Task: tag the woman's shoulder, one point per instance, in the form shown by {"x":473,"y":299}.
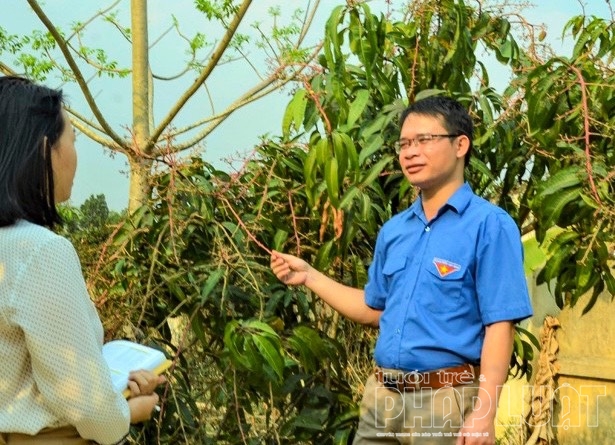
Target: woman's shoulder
{"x":28,"y":237}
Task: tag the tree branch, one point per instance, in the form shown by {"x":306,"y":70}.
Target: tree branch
{"x":207,"y":70}
{"x":91,"y":130}
{"x":96,"y":137}
{"x":587,"y":131}
{"x":78,"y":75}
{"x":192,"y":54}
{"x":5,"y":69}
{"x":307,"y":23}
{"x":262,"y":89}
{"x":91,"y":19}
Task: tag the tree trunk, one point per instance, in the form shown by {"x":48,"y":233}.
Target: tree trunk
{"x":142,"y":148}
{"x":140,"y":187}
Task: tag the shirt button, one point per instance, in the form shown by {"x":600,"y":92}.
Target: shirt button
{"x":427,"y":229}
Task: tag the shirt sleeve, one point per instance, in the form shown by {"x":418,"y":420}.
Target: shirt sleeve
{"x":375,"y":289}
{"x":501,"y":285}
{"x":62,"y":332}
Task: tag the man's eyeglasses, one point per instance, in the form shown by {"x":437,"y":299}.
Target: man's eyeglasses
{"x":421,"y":140}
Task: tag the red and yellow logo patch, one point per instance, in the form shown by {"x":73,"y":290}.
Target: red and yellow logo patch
{"x":444,"y":267}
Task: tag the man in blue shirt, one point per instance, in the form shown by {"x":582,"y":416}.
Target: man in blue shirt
{"x":445,"y":287}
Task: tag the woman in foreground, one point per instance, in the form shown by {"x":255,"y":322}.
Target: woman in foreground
{"x":55,"y":386}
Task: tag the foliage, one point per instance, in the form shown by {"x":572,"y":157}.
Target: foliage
{"x":569,"y":129}
{"x":89,"y":226}
{"x":349,"y":113}
{"x":258,"y":362}
{"x":254,"y":367}
{"x":226,"y":35}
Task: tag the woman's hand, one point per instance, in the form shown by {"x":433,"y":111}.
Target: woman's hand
{"x":143,"y":399}
{"x":142,"y":407}
{"x":143,"y":383}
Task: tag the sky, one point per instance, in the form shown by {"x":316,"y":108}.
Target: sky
{"x":100,"y":172}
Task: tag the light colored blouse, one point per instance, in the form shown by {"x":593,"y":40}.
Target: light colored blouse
{"x":52,"y":372}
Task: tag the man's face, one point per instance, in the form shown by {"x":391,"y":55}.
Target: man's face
{"x":430,"y":164}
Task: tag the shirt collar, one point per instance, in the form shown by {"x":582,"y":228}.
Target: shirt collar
{"x":461,"y":198}
{"x":458,"y":202}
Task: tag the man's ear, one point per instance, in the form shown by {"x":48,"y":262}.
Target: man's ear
{"x":463,"y":145}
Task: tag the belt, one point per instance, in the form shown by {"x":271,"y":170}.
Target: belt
{"x":439,"y":378}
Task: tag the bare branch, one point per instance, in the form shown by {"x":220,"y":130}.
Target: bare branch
{"x":92,"y":131}
{"x":192,"y":55}
{"x":586,"y":127}
{"x":5,"y":69}
{"x":96,"y":137}
{"x":161,"y":36}
{"x":207,"y":70}
{"x":75,"y":68}
{"x":269,"y":85}
{"x":91,"y":19}
{"x":307,"y":22}
{"x":83,"y":119}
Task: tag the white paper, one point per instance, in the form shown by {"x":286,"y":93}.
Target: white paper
{"x":124,"y":356}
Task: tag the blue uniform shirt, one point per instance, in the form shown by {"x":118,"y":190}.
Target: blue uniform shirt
{"x":440,"y":282}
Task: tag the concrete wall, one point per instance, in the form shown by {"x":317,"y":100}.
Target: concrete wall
{"x":585,"y":385}
{"x":586,"y":414}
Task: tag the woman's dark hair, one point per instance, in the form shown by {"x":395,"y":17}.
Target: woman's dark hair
{"x":31,"y":122}
{"x":455,"y":117}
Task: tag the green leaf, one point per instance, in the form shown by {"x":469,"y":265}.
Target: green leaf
{"x":376,"y":126}
{"x":332,"y":181}
{"x":541,"y":107}
{"x":555,"y":203}
{"x":454,"y":42}
{"x":323,"y":257}
{"x":339,"y":148}
{"x":594,"y":298}
{"x":198,"y":324}
{"x":331,"y":37}
{"x":590,"y":201}
{"x":568,"y":177}
{"x":295,"y":112}
{"x":346,"y":202}
{"x":309,"y":168}
{"x":307,"y":360}
{"x":519,"y":330}
{"x":357,"y":106}
{"x":211,"y":282}
{"x":236,"y":346}
{"x":518,"y":346}
{"x":342,"y":436}
{"x":323,"y":151}
{"x":311,"y":339}
{"x":312,"y":418}
{"x":553,"y":266}
{"x":374,"y":144}
{"x":609,"y":279}
{"x":270,"y":352}
{"x":563,"y":238}
{"x":376,"y":170}
{"x":366,"y":206}
{"x":351,"y":153}
{"x":262,"y":327}
{"x":279,"y":239}
{"x":585,"y":271}
{"x":423,"y":94}
{"x":485,"y":107}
